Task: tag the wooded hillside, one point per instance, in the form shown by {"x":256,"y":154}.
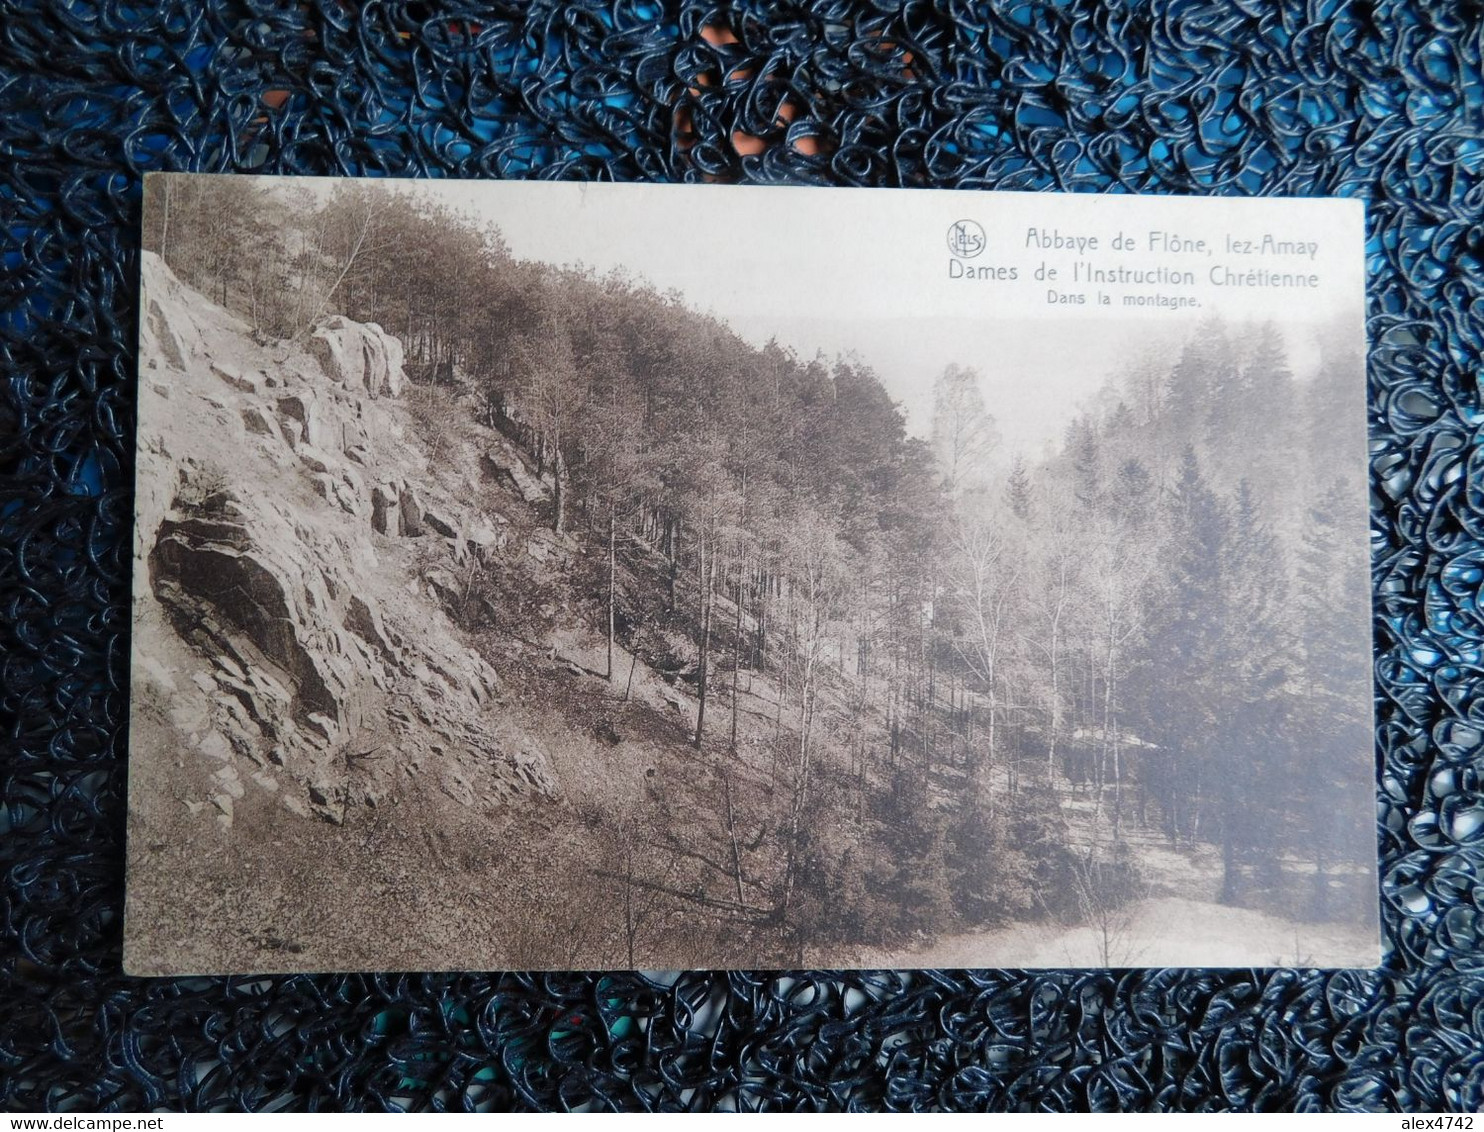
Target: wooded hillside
{"x":997,"y":686}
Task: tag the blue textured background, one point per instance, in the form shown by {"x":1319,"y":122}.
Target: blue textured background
{"x":1383,"y":101}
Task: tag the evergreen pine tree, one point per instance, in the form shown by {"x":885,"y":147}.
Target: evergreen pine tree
{"x":1204,"y":362}
{"x":1254,"y":746}
{"x":1333,"y":599}
{"x":1268,"y":378}
{"x":1133,"y":494}
{"x":1186,"y":620}
{"x":1087,"y":472}
{"x":1018,"y":490}
{"x":1120,"y":421}
{"x":1258,"y":414}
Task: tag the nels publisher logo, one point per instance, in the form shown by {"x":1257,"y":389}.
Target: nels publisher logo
{"x":965,"y":239}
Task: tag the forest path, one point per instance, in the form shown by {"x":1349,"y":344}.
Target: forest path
{"x":1160,"y":932}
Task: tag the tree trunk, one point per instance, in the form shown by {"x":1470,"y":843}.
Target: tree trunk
{"x":344,"y":271}
{"x":1231,"y":873}
{"x":612,"y":536}
{"x":672,"y":536}
{"x":706,"y":604}
{"x":631,"y":929}
{"x":737,"y":652}
{"x":801,"y":779}
{"x":633,"y":660}
{"x":782,"y":695}
{"x":559,"y":474}
{"x":726,"y":783}
{"x":1054,"y":716}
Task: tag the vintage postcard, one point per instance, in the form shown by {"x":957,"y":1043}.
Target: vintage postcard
{"x":556,"y":576}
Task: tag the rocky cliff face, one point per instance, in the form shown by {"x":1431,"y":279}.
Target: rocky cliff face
{"x":296,"y":547}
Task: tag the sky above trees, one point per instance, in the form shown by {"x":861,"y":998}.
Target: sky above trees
{"x":848,"y":273}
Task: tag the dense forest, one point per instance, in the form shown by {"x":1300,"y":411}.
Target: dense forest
{"x":998,"y":684}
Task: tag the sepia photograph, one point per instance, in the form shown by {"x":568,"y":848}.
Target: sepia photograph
{"x":592,"y":576}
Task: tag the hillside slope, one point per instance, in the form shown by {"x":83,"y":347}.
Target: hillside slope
{"x":378,"y":722}
{"x":294,"y":546}
{"x":371,"y":724}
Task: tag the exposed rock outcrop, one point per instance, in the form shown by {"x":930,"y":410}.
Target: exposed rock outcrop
{"x":362,"y":357}
{"x":286,"y":641}
{"x":509,"y":464}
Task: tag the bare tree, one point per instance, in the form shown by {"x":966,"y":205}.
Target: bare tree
{"x":818,"y":574}
{"x":986,"y":577}
{"x":1052,"y":592}
{"x":363,"y":212}
{"x":964,"y":434}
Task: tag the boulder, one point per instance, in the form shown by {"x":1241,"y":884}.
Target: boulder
{"x":482,"y":541}
{"x":332,"y":491}
{"x":445,"y":588}
{"x":365,"y":622}
{"x":396,"y":376}
{"x":324,"y":486}
{"x":238,"y":379}
{"x":352,"y":480}
{"x":317,"y":461}
{"x":359,"y":356}
{"x":327,"y":798}
{"x":373,"y":353}
{"x":229,"y":781}
{"x":301,"y":419}
{"x":509,"y":465}
{"x":412,"y":513}
{"x":386,"y":509}
{"x":440,"y":523}
{"x":259,"y":423}
{"x":323,"y":725}
{"x":263,"y":596}
{"x":337,"y":345}
{"x":348,"y":500}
